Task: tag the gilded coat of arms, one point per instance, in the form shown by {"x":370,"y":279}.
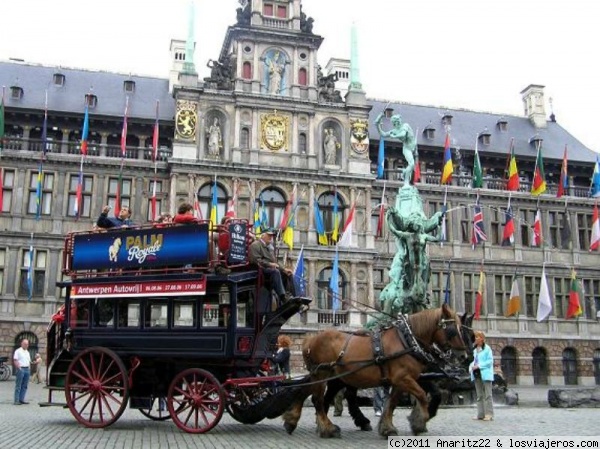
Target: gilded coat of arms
{"x":186,"y":120}
{"x":274,"y":131}
{"x":359,"y":136}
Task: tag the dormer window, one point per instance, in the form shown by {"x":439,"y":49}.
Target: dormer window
{"x":129,"y":86}
{"x":536,"y":141}
{"x":485,"y":137}
{"x":16,"y":92}
{"x":58,"y":79}
{"x":502,"y":124}
{"x":92,"y":100}
{"x":429,"y":132}
{"x":447,"y":119}
{"x":388,"y":112}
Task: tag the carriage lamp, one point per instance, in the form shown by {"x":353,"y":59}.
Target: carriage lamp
{"x":244,"y":344}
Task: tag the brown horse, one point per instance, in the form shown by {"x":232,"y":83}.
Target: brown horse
{"x":402,"y":354}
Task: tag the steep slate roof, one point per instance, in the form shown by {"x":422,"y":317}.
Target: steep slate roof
{"x":108,"y":87}
{"x":467,"y":124}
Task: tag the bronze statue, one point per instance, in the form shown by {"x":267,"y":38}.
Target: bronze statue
{"x":404,"y":133}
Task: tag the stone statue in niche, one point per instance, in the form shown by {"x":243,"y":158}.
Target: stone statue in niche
{"x":275,"y":70}
{"x":330,"y":145}
{"x":215,"y":141}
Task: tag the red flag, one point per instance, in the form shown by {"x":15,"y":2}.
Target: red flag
{"x":417,"y":174}
{"x":513,"y":175}
{"x":508,"y":237}
{"x":1,"y":189}
{"x":85,"y":131}
{"x":381,"y":215}
{"x":118,"y":193}
{"x":479,"y":296}
{"x":537,"y":229}
{"x":563,"y":182}
{"x":574,"y":309}
{"x":595,"y":238}
{"x":153,"y":200}
{"x":197,"y":209}
{"x":233,"y":200}
{"x":447,"y":168}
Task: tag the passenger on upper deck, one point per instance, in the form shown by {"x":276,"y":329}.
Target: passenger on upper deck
{"x":123,"y":220}
{"x":185,"y":214}
{"x":261,"y":255}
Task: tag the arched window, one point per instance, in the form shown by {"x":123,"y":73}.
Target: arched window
{"x":245,"y":138}
{"x":597,"y":366}
{"x":569,"y":359}
{"x":324,"y":294}
{"x":302,"y":77}
{"x":272,"y":204}
{"x":539,"y":366}
{"x":508,"y":363}
{"x":326,"y":207}
{"x":205,"y":194}
{"x":302,"y":143}
{"x":247,"y":70}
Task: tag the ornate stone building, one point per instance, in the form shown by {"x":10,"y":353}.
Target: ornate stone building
{"x":267,"y":122}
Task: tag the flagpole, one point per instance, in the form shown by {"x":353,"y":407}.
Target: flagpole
{"x":444,"y":208}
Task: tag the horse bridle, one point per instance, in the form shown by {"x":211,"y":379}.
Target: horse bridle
{"x":450,"y":332}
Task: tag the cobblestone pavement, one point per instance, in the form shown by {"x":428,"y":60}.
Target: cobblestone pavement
{"x":53,"y":427}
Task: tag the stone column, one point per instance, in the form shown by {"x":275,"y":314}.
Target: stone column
{"x":64,"y":144}
{"x":370,"y":284}
{"x":172,"y":194}
{"x":139,"y":198}
{"x":294,"y":149}
{"x":103,"y":143}
{"x":26,"y":134}
{"x":142,"y":147}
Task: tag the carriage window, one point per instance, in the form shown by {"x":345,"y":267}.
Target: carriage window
{"x":245,"y":309}
{"x":104,"y":312}
{"x":184,"y":313}
{"x":129,"y":313}
{"x":216,"y":309}
{"x":80,"y":312}
{"x":156,"y":314}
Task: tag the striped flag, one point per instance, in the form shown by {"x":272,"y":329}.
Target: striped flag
{"x":30,"y":270}
{"x":574,"y":309}
{"x":508,"y":237}
{"x":512,"y":182}
{"x":213,"y":206}
{"x":595,"y":190}
{"x":595,"y":237}
{"x":477,"y":170}
{"x":381,"y":217}
{"x":319,"y":224}
{"x":232,"y":202}
{"x":514,"y":302}
{"x":346,"y":239}
{"x":79,"y":194}
{"x":447,"y":168}
{"x":38,"y":191}
{"x":563,"y":183}
{"x":85,"y":131}
{"x":478,"y":235}
{"x":479,"y":296}
{"x":336,"y":219}
{"x":123,"y":154}
{"x":381,"y":159}
{"x":124,"y":130}
{"x":537,"y":230}
{"x":197,"y":209}
{"x":544,"y":299}
{"x":539,"y":179}
{"x":334,"y":283}
{"x":45,"y":129}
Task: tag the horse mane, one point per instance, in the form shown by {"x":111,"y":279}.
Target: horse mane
{"x":422,"y":322}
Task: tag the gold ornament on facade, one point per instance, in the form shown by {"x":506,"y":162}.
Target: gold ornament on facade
{"x":359,"y":136}
{"x":186,"y":120}
{"x":274,"y":131}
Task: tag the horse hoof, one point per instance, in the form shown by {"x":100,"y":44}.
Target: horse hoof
{"x":333,"y":432}
{"x":289,"y":428}
{"x":366,"y":427}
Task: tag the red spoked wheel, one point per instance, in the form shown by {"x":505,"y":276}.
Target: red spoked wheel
{"x":96,"y":388}
{"x":157,"y":411}
{"x":195,"y":401}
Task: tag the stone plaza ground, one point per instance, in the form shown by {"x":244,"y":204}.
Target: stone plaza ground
{"x":30,"y":426}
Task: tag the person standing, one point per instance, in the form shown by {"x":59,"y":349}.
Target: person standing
{"x":380,"y":397}
{"x":482,"y":373}
{"x":282,"y":356}
{"x":36,"y":367}
{"x":22,"y":362}
{"x":123,"y":220}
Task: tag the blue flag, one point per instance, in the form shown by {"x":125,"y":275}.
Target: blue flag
{"x":299,"y":281}
{"x":381,"y":159}
{"x":30,"y":271}
{"x":319,"y":225}
{"x":447,"y":291}
{"x":334,"y":284}
{"x":595,"y":193}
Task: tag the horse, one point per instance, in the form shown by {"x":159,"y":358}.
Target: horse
{"x":394,"y":355}
{"x":430,"y":380}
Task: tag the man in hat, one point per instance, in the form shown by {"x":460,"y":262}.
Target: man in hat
{"x":261,"y":254}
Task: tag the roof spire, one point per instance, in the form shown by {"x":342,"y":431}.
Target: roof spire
{"x":355,"y":83}
{"x":189,"y":66}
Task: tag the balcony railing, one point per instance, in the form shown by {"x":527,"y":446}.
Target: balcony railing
{"x":94,"y":149}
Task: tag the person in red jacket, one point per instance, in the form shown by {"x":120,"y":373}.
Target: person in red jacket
{"x":185,"y":214}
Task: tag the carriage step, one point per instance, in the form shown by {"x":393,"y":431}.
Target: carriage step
{"x":54,"y":388}
{"x":53,"y":404}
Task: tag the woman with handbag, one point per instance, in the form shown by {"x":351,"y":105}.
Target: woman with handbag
{"x":482,"y":373}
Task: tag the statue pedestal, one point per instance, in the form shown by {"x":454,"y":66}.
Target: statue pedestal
{"x":185,"y":151}
{"x":331,"y":167}
{"x":408,"y":200}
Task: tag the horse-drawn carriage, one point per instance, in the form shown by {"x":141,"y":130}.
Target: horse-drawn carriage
{"x":148,"y":322}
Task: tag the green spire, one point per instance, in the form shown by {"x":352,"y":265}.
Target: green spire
{"x":354,"y":70}
{"x":188,"y":66}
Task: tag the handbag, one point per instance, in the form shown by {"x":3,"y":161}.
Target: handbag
{"x":477,"y":373}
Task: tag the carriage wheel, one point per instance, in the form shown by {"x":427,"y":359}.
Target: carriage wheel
{"x":158,"y":409}
{"x":96,"y":388}
{"x":195,"y":401}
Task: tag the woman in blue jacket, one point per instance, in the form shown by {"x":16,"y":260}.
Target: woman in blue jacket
{"x":482,"y":373}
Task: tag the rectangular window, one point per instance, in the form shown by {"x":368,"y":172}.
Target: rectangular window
{"x":104,"y":312}
{"x":184,"y":313}
{"x":532,"y":292}
{"x":2,"y":265}
{"x":584,"y":229}
{"x":465,"y":223}
{"x":113,"y":187}
{"x":80,"y":312}
{"x":591,"y":293}
{"x":470,"y":286}
{"x":554,"y":230}
{"x":268,"y":9}
{"x":8,"y":183}
{"x":86,"y":196}
{"x":496,"y":228}
{"x":155,"y":315}
{"x":502,"y":287}
{"x":38,"y":273}
{"x":526,"y":219}
{"x":561,"y":296}
{"x":40,"y":193}
{"x":159,"y":201}
{"x":282,"y":11}
{"x":245,"y":308}
{"x":129,"y":311}
{"x":438,"y":289}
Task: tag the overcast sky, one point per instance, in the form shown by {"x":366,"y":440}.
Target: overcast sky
{"x":471,"y":54}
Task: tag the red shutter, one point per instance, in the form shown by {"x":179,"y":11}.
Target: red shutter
{"x":282,"y":12}
{"x":302,"y":77}
{"x":247,"y":71}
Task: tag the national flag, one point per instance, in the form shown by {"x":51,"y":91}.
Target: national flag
{"x":336,"y":220}
{"x":287,"y":236}
{"x":319,"y":224}
{"x":479,"y":296}
{"x":574,"y":309}
{"x":443,"y":225}
{"x":287,"y":212}
{"x":381,"y":159}
{"x":30,"y":270}
{"x":197,"y":208}
{"x":539,"y":179}
{"x":346,"y":239}
{"x":478,"y":235}
{"x":448,"y":168}
{"x":514,"y":302}
{"x":565,"y":231}
{"x":512,"y":182}
{"x":85,"y":131}
{"x":508,"y":237}
{"x":231,"y":203}
{"x":2,"y":121}
{"x":213,"y":206}
{"x":447,"y":289}
{"x":38,"y":191}
{"x":256,"y":219}
{"x":537,"y":230}
{"x":595,"y":191}
{"x":119,"y":191}
{"x":477,"y":170}
{"x":381,"y":217}
{"x":563,"y":182}
{"x":153,"y":200}
{"x":595,"y":237}
{"x":299,"y":281}
{"x":544,"y":300}
{"x":78,"y":195}
{"x":417,"y":174}
{"x":334,"y":283}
